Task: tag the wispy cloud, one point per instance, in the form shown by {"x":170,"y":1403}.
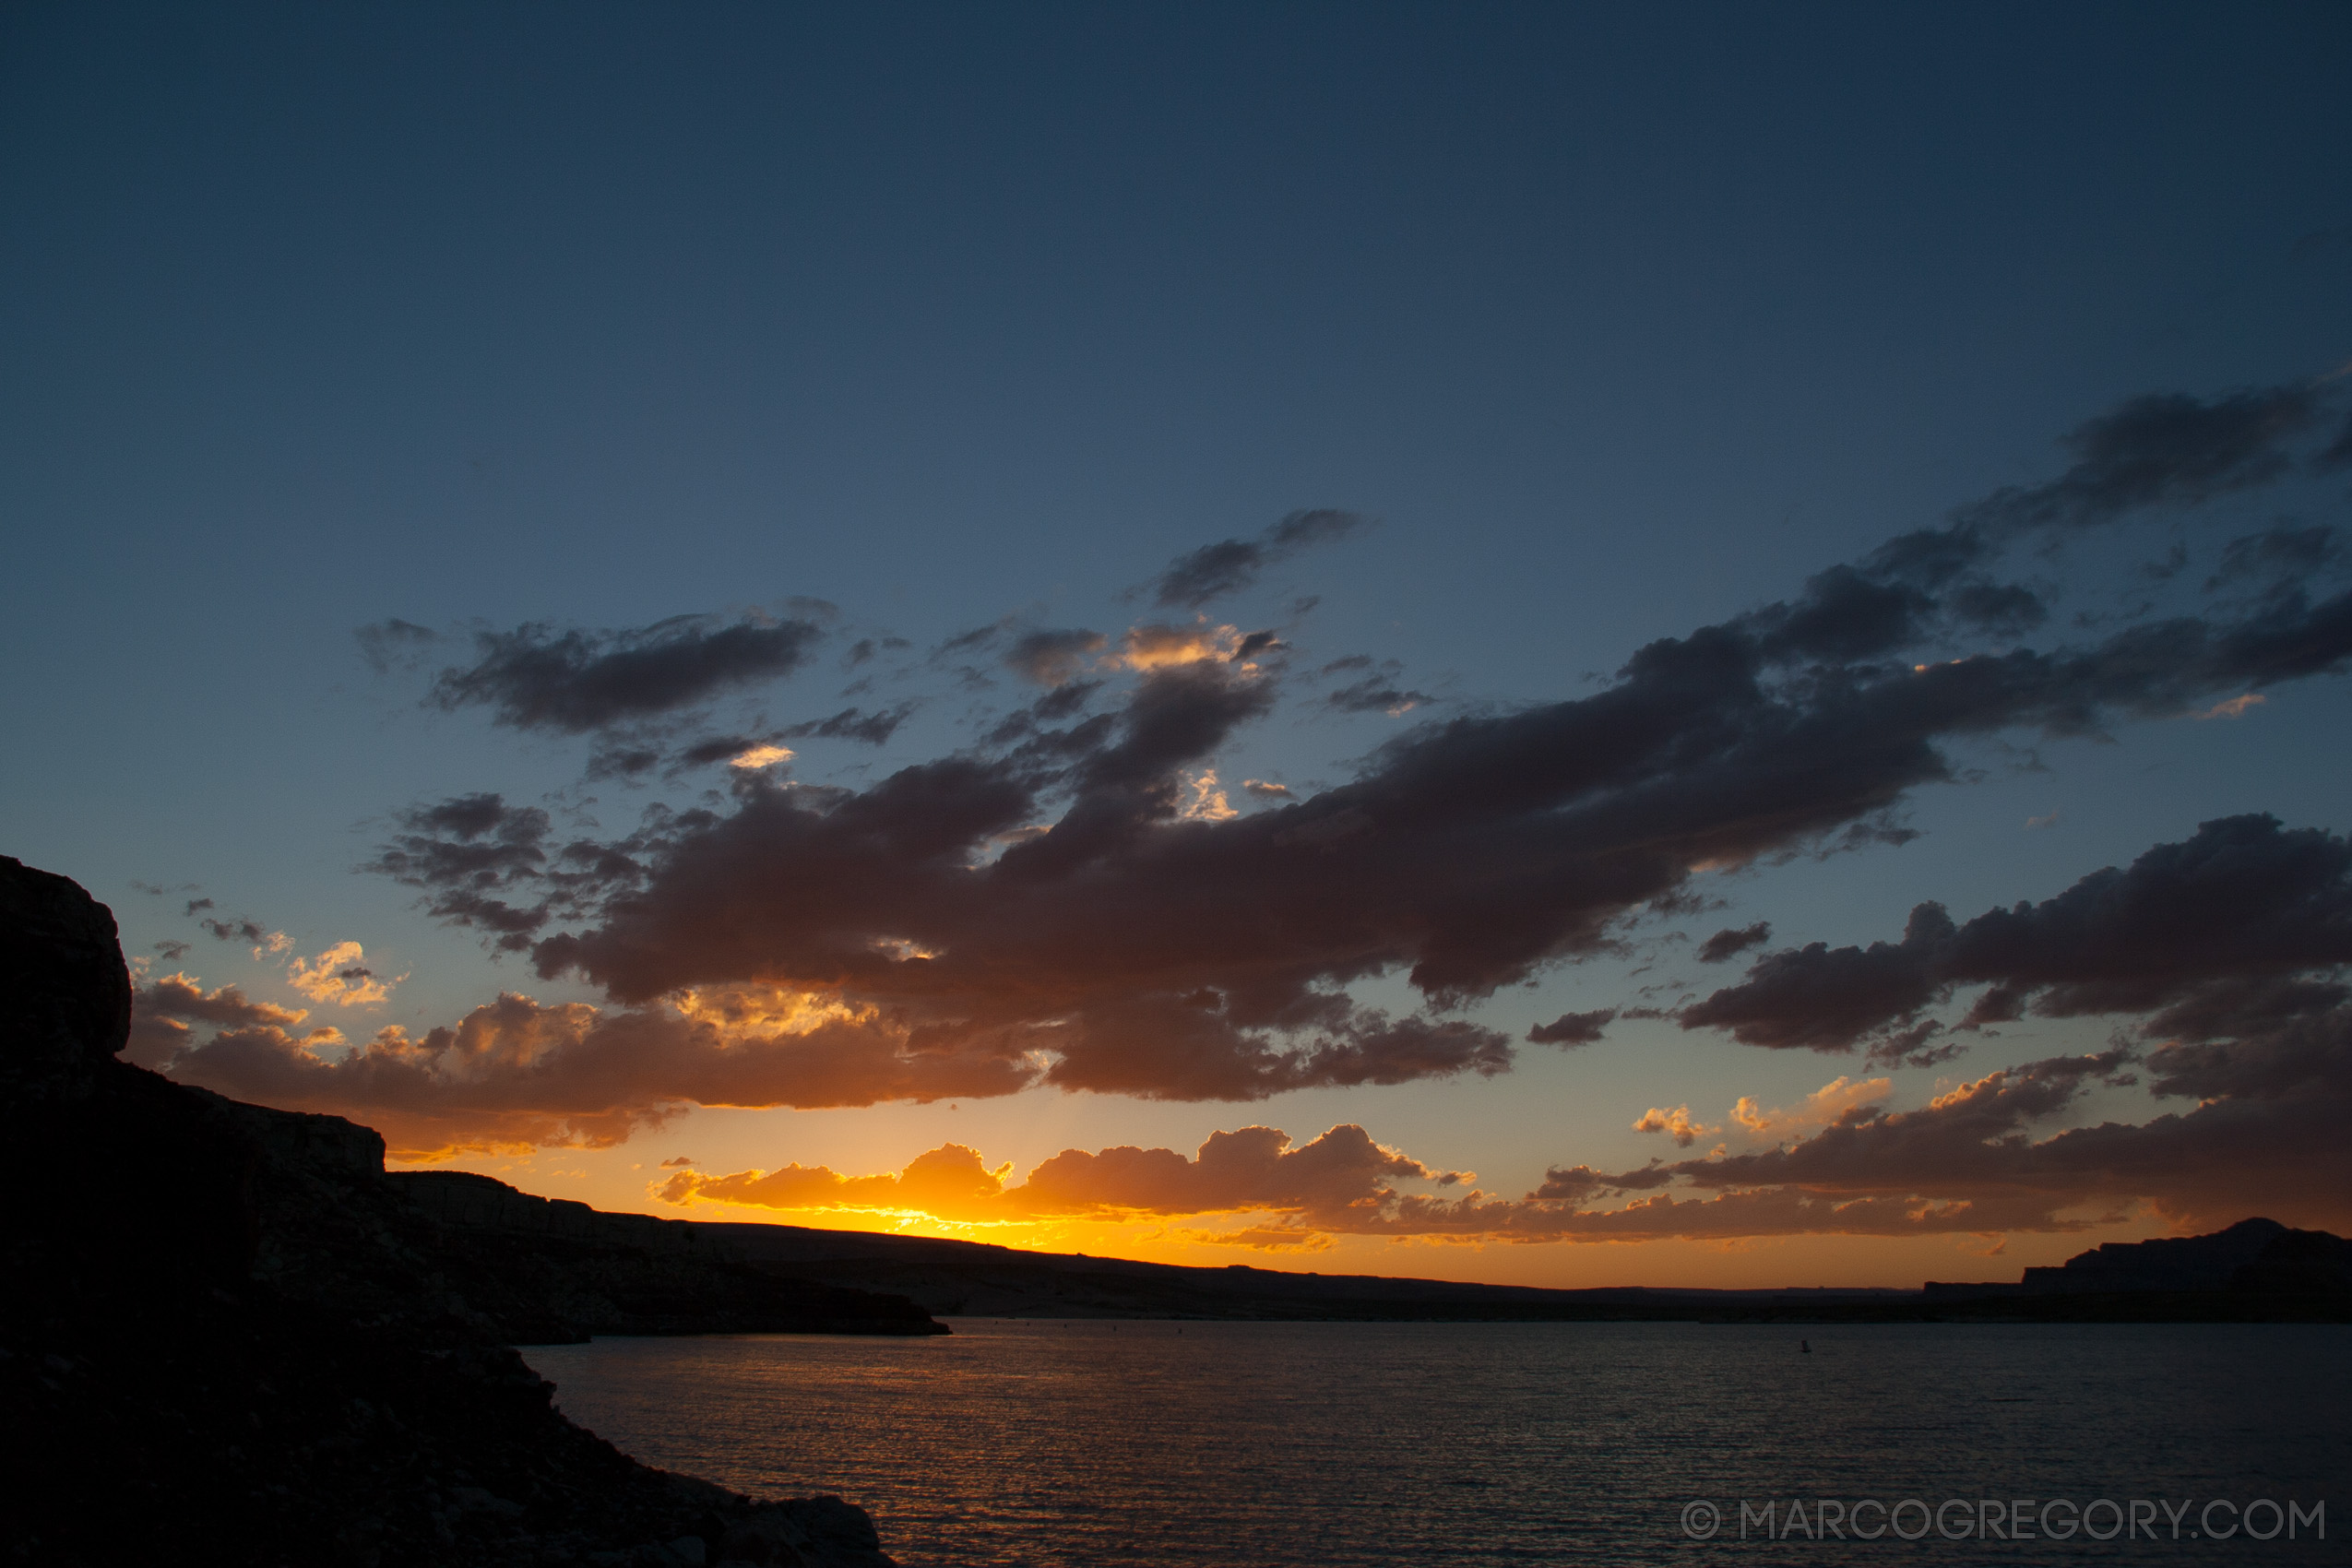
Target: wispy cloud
{"x":1231,"y":564}
{"x":573,"y":681}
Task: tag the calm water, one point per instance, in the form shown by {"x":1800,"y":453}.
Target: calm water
{"x":1074,"y":1445}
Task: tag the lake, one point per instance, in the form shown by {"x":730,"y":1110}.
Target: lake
{"x":1151,"y":1445}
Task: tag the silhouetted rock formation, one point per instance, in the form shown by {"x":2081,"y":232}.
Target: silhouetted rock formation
{"x":547,"y":1271}
{"x":226,"y":1336}
{"x":2173,"y":1262}
{"x":2254,"y":1257}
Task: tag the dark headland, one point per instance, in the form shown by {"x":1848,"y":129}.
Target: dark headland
{"x":231,"y":1336}
{"x":2257,"y":1271}
{"x":227,"y":1336}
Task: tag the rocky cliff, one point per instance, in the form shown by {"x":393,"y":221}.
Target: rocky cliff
{"x":2256,"y":1261}
{"x":2167,"y":1262}
{"x":226,"y":1336}
{"x":547,"y":1270}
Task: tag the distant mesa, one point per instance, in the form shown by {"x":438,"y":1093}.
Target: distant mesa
{"x":2254,"y":1256}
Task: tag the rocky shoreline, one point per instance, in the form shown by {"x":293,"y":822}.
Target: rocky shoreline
{"x":231,"y":1338}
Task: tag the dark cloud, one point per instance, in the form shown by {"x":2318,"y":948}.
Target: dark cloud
{"x":895,"y":867}
{"x":628,"y":762}
{"x":1229,"y":565}
{"x":1159,"y":1047}
{"x":1322,"y":525}
{"x":162,"y":1011}
{"x":633,"y":762}
{"x":2161,"y":450}
{"x":1578,"y":1185}
{"x":173,"y":952}
{"x":2158,"y":449}
{"x":1064,"y":702}
{"x":1377,"y":691}
{"x":1849,"y":614}
{"x":515,"y":1074}
{"x":1573,"y":1029}
{"x":535,"y":678}
{"x":1065,"y":904}
{"x":1254,"y":1167}
{"x":1829,"y":998}
{"x":244,"y":930}
{"x":2243,"y":899}
{"x":1841,"y":617}
{"x":851,"y":724}
{"x":394,"y":644}
{"x":2338,"y":452}
{"x":2007,"y":609}
{"x":865,"y":648}
{"x":1377,"y":697}
{"x":195,"y":904}
{"x":1061,"y":703}
{"x":1212,"y":570}
{"x":1582,"y":1183}
{"x":2227,"y":944}
{"x":1732,"y":941}
{"x":1077,"y":900}
{"x":179,"y":996}
{"x":2230,"y":949}
{"x":1054,"y":657}
{"x":2268,"y":1142}
{"x":2174,"y":561}
{"x":974,"y":641}
{"x":2265,"y":1138}
{"x":1257,"y":644}
{"x":717,"y":748}
{"x":2276,"y":555}
{"x":475,"y":856}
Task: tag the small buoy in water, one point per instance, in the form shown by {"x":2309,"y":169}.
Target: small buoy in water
{"x":1806,"y":1346}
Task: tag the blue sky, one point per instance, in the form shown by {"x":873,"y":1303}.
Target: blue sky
{"x":1609,"y":326}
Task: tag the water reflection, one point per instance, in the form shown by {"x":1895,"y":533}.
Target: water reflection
{"x":1095,"y":1445}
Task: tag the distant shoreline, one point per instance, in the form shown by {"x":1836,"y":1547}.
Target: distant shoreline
{"x":2256,"y":1271}
{"x":2080,"y":1309}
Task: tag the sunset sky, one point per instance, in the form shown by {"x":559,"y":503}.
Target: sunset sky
{"x":1680,"y":645}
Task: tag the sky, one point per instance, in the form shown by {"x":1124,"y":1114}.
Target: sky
{"x":1699,"y":645}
